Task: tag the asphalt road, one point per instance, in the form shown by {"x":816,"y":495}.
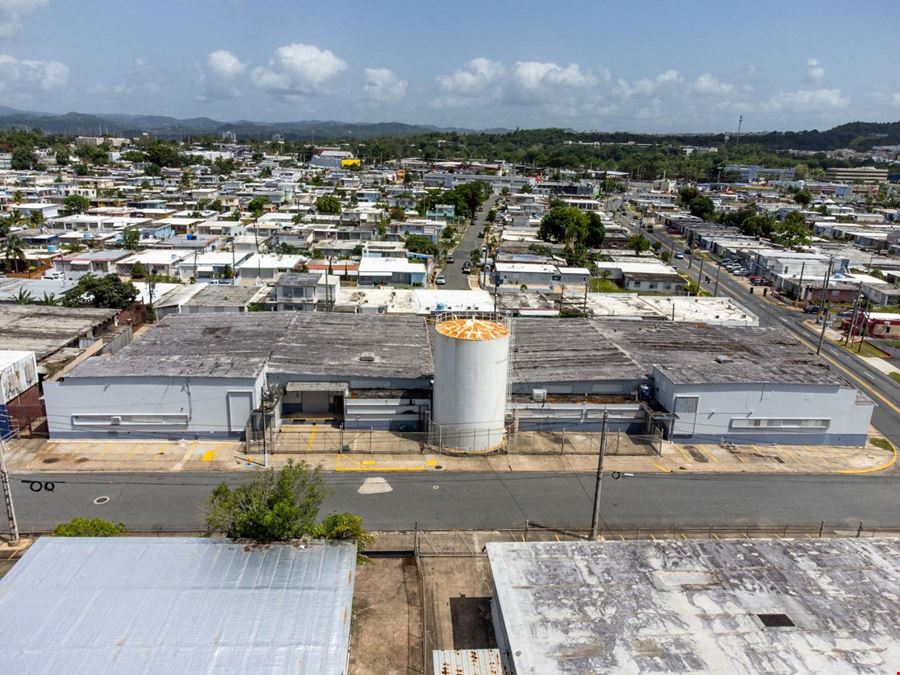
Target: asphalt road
{"x":453,"y":273}
{"x":477,"y":500}
{"x":880,"y":388}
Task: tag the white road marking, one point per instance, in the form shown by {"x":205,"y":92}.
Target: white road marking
{"x":374,"y":486}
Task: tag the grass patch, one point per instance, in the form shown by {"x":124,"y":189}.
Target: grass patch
{"x":882,"y":443}
{"x":868,"y":350}
{"x":894,"y":376}
{"x":604,"y":286}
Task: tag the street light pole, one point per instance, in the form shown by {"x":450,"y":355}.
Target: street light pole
{"x":595,"y":520}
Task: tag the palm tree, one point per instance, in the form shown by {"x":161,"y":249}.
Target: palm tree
{"x":36,"y":218}
{"x":14,"y":252}
{"x":50,"y":300}
{"x":23,"y":297}
{"x":18,"y":196}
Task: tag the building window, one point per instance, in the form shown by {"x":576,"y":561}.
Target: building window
{"x":781,"y":424}
{"x":147,"y":420}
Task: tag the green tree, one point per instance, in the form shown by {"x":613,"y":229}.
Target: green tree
{"x":76,"y":204}
{"x":36,"y":218}
{"x":792,"y":232}
{"x":475,"y":256}
{"x":50,"y":300}
{"x":131,"y":238}
{"x":397,"y":214}
{"x":416,"y":243}
{"x":138,"y":271}
{"x":108,"y":292}
{"x":89,"y":527}
{"x":18,"y":197}
{"x":328,"y":204}
{"x":492,"y":216}
{"x":228,"y":272}
{"x":638,"y":243}
{"x":258,"y":205}
{"x":687,"y":194}
{"x":13,"y":252}
{"x":560,"y":221}
{"x":702,"y":206}
{"x":596,"y":231}
{"x":273,"y":506}
{"x":344,"y":527}
{"x":666,"y":257}
{"x":802,"y":197}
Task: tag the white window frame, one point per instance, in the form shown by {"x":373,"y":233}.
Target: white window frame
{"x":786,"y":424}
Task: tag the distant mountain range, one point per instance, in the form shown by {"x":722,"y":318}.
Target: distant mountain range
{"x":84,"y":124}
{"x":856,"y":135}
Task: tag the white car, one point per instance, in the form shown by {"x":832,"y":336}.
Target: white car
{"x":439,"y":280}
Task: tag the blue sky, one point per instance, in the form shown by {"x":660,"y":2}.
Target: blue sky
{"x":647,"y":66}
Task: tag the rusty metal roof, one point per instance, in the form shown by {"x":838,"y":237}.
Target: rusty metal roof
{"x":472,"y":329}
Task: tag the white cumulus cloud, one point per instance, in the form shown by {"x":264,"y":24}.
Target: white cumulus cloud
{"x":382,"y":85}
{"x":539,"y":75}
{"x":806,"y":101}
{"x":479,"y":78}
{"x":647,"y":86}
{"x":298,"y":69}
{"x":815,"y":72}
{"x":26,"y":77}
{"x":218,"y":77}
{"x":709,"y":85}
{"x":12,"y":14}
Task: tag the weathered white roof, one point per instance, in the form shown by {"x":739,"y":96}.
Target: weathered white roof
{"x":177,"y":605}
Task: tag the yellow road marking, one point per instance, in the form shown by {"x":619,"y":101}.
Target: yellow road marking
{"x":430,"y":462}
{"x":135,"y":447}
{"x":369,"y":462}
{"x":883,"y":467}
{"x":208,"y":456}
{"x":312,"y":436}
{"x":339,"y":467}
{"x":662,"y":468}
{"x":687,"y":457}
{"x":709,"y":453}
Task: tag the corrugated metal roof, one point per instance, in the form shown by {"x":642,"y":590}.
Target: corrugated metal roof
{"x":468,"y":662}
{"x":177,"y":605}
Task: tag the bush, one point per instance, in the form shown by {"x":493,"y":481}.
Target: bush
{"x":89,"y":527}
{"x":281,"y":506}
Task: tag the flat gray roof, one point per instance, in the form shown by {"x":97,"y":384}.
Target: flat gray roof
{"x":312,"y":344}
{"x":224,"y":295}
{"x":554,"y":350}
{"x":177,"y":605}
{"x":45,"y":329}
{"x":695,"y":606}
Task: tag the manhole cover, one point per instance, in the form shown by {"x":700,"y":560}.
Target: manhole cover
{"x":435,"y":487}
{"x":100,"y":501}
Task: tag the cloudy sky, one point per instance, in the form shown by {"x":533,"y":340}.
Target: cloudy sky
{"x":637,"y":65}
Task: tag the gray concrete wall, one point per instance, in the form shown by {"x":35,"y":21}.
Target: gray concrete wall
{"x":849,"y":415}
{"x":202,"y":403}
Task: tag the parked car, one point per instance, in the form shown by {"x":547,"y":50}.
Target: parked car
{"x":679,"y":255}
{"x":757,"y":280}
{"x":439,"y":280}
{"x":451,"y":258}
{"x":467,"y":267}
{"x":812,"y":309}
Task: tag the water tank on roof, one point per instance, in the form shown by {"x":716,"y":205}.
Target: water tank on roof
{"x":52,"y":248}
{"x":470,"y":377}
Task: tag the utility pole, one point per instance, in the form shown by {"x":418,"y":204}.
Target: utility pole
{"x":849,"y":339}
{"x":716,"y":289}
{"x":800,"y":290}
{"x":737,"y":140}
{"x":824,"y":314}
{"x":595,"y":520}
{"x":7,"y":496}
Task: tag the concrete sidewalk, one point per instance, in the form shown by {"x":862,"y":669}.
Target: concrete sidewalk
{"x":31,"y":456}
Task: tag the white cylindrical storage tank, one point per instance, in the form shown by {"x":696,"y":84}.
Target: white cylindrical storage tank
{"x":470,"y":372}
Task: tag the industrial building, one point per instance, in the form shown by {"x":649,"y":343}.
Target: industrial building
{"x":698,"y":606}
{"x":205,"y":376}
{"x":177,"y":605}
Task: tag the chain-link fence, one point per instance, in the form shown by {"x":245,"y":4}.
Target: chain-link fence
{"x":322,"y":438}
{"x":572,"y":442}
